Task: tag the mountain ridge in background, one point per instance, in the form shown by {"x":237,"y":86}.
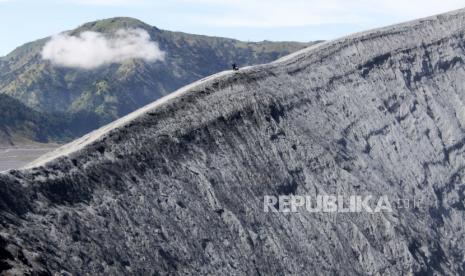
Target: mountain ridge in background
{"x":99,"y":96}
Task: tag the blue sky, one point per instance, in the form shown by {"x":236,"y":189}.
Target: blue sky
{"x":254,"y":20}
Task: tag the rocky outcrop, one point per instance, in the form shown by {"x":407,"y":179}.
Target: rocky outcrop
{"x":177,"y":187}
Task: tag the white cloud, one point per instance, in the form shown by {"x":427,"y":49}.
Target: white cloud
{"x":89,"y":50}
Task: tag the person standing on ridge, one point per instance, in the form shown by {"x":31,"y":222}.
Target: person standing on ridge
{"x":235,"y":67}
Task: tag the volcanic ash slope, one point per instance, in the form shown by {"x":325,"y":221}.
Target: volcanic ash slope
{"x":177,"y":187}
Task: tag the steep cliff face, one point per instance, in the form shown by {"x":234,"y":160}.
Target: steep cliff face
{"x":177,"y":187}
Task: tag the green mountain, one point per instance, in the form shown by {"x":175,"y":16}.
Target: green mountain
{"x":20,"y":124}
{"x":86,"y":99}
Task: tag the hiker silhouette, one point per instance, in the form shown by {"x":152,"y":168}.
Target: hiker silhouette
{"x":235,"y":67}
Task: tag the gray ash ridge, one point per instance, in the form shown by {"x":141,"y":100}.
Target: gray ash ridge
{"x":177,"y":187}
